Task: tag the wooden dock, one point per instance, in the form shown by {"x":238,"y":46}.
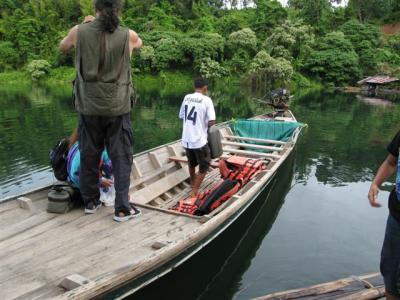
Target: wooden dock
{"x":366,"y":287}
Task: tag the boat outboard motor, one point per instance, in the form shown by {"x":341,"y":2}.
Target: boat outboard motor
{"x":279,"y":98}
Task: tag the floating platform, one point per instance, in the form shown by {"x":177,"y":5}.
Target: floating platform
{"x":352,"y":288}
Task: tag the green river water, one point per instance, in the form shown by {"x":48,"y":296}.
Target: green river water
{"x":312,"y":225}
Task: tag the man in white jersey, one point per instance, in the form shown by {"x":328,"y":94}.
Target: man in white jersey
{"x":197,"y":113}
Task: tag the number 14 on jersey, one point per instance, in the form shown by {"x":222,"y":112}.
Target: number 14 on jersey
{"x":192,"y":114}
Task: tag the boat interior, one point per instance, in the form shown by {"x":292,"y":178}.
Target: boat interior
{"x":161,"y":180}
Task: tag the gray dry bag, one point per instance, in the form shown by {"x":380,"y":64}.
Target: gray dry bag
{"x":214,"y":142}
{"x":61,"y":198}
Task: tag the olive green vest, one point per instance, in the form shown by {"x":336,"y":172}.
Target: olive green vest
{"x":103,"y":85}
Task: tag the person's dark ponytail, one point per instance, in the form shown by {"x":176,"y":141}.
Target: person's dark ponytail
{"x":109,"y":10}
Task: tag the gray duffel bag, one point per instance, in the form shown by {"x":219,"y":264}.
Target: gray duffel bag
{"x":61,"y":198}
{"x":214,"y":142}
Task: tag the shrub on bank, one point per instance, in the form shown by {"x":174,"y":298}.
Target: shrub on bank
{"x":211,"y":69}
{"x":8,"y":56}
{"x":267,"y":71}
{"x":38,"y":69}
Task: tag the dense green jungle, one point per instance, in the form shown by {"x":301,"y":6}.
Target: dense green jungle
{"x":260,"y":42}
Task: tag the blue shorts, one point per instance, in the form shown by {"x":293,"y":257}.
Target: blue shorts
{"x":390,"y":257}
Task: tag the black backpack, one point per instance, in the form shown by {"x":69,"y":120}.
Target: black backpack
{"x":58,"y":159}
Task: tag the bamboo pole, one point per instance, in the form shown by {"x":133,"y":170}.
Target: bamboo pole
{"x":251,"y":153}
{"x":267,"y":141}
{"x":253,"y":146}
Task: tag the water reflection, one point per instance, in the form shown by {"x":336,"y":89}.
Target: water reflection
{"x":345,"y":140}
{"x":31,"y":121}
{"x":338,"y":141}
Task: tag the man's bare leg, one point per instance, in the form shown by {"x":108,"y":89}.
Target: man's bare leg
{"x":197,"y":183}
{"x":390,"y":296}
{"x":192,"y":172}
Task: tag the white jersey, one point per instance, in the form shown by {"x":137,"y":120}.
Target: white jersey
{"x":196,"y":110}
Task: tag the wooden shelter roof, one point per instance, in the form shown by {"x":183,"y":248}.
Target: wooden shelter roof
{"x":378,"y":80}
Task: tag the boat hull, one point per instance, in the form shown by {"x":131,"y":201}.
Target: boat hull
{"x":258,"y":200}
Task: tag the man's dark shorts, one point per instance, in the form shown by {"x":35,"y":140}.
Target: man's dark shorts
{"x":199,"y":157}
{"x":390,"y":257}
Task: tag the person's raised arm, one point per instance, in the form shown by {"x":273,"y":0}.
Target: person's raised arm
{"x":69,"y":41}
{"x":135,"y":41}
{"x":73,"y":138}
{"x":386,"y":170}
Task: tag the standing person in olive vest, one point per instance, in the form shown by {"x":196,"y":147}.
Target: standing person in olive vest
{"x":103,"y":97}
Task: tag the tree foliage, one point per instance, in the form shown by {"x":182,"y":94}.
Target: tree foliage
{"x":291,"y":40}
{"x":244,"y":39}
{"x":148,"y":58}
{"x":393,"y":43}
{"x":365,"y":10}
{"x":38,"y":69}
{"x":219,"y":37}
{"x":311,"y":11}
{"x":168,"y":52}
{"x":211,"y":69}
{"x":365,"y":38}
{"x":269,"y":13}
{"x":8,"y":56}
{"x":334,"y":60}
{"x":266,"y":70}
{"x":357,"y":32}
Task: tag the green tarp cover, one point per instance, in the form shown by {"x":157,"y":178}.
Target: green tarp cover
{"x":265,"y":129}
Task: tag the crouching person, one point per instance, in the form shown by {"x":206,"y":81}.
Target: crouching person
{"x":105,"y":176}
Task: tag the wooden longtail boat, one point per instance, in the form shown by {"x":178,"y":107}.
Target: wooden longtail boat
{"x":366,"y":287}
{"x":94,"y":256}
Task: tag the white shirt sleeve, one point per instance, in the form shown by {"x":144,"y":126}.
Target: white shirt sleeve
{"x":210,"y":110}
{"x":182,"y":110}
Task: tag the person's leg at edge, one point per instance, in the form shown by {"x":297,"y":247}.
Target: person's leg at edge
{"x":122,"y":167}
{"x":390,"y":259}
{"x":192,"y":164}
{"x":91,"y":143}
{"x":192,"y":172}
{"x":119,"y":143}
{"x":203,"y":157}
{"x":197,"y":183}
{"x":390,"y":296}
